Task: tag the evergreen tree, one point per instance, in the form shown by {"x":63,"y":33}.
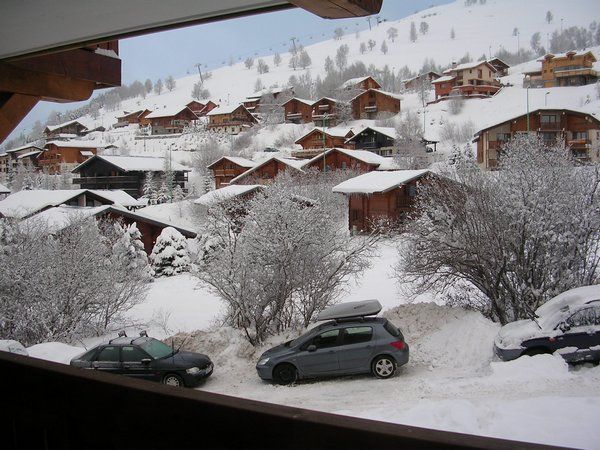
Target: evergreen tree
{"x":392,"y":33}
{"x":384,"y":48}
{"x":413,"y":32}
{"x":149,"y":188}
{"x":277,"y":59}
{"x":158,"y":86}
{"x":170,"y":255}
{"x":128,"y":251}
{"x":170,"y":83}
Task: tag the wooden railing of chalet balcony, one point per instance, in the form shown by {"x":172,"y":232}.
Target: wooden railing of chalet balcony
{"x":62,"y":407}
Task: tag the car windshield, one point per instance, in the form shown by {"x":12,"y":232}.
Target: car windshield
{"x":156,"y":349}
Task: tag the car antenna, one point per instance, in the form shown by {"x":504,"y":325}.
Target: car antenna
{"x":182,"y":342}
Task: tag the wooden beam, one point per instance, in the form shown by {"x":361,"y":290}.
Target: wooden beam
{"x":44,"y":86}
{"x":13,"y":108}
{"x":340,"y":9}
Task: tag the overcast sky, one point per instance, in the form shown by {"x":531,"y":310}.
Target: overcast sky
{"x":176,"y":52}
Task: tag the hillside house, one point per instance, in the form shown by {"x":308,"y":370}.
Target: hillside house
{"x":298,"y":110}
{"x":381,"y":197}
{"x":318,"y":139}
{"x":574,"y":68}
{"x":228,"y":193}
{"x":171,"y":120}
{"x":379,"y":140}
{"x":196,"y":107}
{"x":345,"y":159}
{"x":227,"y":168}
{"x":277,"y":95}
{"x":4,"y":192}
{"x":124,"y":172}
{"x":362,"y":83}
{"x":324,"y":112}
{"x":71,"y":129}
{"x":416,"y":83}
{"x":374,"y":103}
{"x":266,"y":171}
{"x":500,"y":66}
{"x":578,"y":129}
{"x":4,"y":166}
{"x":132,"y":118}
{"x":230,"y":119}
{"x":470,"y":80}
{"x":210,"y":105}
{"x":25,"y":154}
{"x":62,"y":156}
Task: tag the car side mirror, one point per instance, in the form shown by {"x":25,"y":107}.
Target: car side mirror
{"x":95,"y":364}
{"x":311,"y":348}
{"x":564,"y":327}
{"x":146,"y":361}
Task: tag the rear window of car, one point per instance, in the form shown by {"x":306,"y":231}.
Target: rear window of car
{"x":392,"y":329}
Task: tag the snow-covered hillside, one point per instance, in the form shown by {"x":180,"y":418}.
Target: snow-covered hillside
{"x":478,"y":29}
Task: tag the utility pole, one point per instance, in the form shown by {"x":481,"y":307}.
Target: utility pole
{"x":369,"y":20}
{"x":293,"y":39}
{"x":199,"y":65}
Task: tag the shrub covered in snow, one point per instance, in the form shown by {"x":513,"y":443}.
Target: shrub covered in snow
{"x":170,"y":254}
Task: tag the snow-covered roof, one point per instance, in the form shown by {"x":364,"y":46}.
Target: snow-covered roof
{"x":326,"y":98}
{"x":378,"y":182}
{"x":295,"y":163}
{"x":28,"y":154}
{"x":443,"y":79}
{"x":361,"y":155}
{"x":389,"y":94}
{"x":226,"y":193}
{"x":301,"y":100}
{"x":572,"y":299}
{"x":467,"y":66}
{"x":135,"y":163}
{"x":78,"y":144}
{"x":354,"y":81}
{"x":118,"y":197}
{"x":565,"y":54}
{"x":64,"y":124}
{"x":386,"y":131}
{"x":242,"y":162}
{"x":23,"y":147}
{"x":168,"y":111}
{"x":4,"y":189}
{"x":60,"y":217}
{"x":331,"y":131}
{"x":225,"y":109}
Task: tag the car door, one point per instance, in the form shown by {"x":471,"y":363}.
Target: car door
{"x":323,"y":359}
{"x":108,"y":360}
{"x":581,"y":332}
{"x":131,"y":358}
{"x":356,"y":349}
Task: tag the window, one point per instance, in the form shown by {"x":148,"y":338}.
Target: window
{"x":502,"y":137}
{"x":585,"y":317}
{"x":577,"y":135}
{"x":548,"y":137}
{"x":480,"y":73}
{"x":327,"y":339}
{"x":549,"y":118}
{"x":132,"y":354}
{"x":391,"y":328}
{"x":156,"y":349}
{"x":344,"y":165}
{"x":356,"y":335}
{"x":109,"y":354}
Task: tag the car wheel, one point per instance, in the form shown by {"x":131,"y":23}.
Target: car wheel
{"x":285,"y":374}
{"x":172,"y":380}
{"x":536,"y":351}
{"x":384,"y":366}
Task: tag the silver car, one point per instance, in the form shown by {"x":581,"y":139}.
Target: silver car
{"x":339,"y":347}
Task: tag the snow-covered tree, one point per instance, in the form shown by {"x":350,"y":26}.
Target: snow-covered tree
{"x":304,"y":59}
{"x":150,"y":187}
{"x":249,"y":62}
{"x":148,"y":85}
{"x":158,"y":86}
{"x":362,"y":48}
{"x":384,"y":48}
{"x":262,"y":66}
{"x":452,"y":34}
{"x":424,"y":27}
{"x":392,"y":33}
{"x":498,"y":239}
{"x":170,"y":83}
{"x":371,"y":44}
{"x":338,"y":33}
{"x":413,"y":32}
{"x":341,"y":56}
{"x":170,"y":255}
{"x":549,"y":16}
{"x":277,"y":60}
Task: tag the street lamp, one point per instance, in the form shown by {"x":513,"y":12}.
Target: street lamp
{"x":528,"y":80}
{"x":546,"y":98}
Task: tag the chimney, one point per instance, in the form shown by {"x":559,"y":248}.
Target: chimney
{"x":454,"y":64}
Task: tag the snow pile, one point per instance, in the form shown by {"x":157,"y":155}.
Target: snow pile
{"x":11,"y":346}
{"x":531,"y":368}
{"x":55,"y":351}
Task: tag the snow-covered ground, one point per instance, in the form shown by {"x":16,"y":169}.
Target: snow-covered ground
{"x":452,"y":381}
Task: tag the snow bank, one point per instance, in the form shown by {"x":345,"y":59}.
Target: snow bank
{"x":55,"y":351}
{"x":531,"y":368}
{"x":11,"y":346}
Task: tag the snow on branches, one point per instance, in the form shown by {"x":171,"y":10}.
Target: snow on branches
{"x":170,"y":255}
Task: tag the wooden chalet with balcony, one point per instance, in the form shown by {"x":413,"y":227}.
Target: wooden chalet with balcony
{"x":579,"y":130}
{"x":574,"y":68}
{"x":266,"y":171}
{"x":63,"y":156}
{"x":500,"y":66}
{"x":25,"y":154}
{"x":271,"y":95}
{"x":230,"y":119}
{"x":324,"y":112}
{"x":345,"y":159}
{"x":470,"y":80}
{"x":201,"y":109}
{"x":381,"y":198}
{"x":360,"y":83}
{"x":133,"y":118}
{"x":227,"y":168}
{"x":379,"y":140}
{"x":70,"y":129}
{"x":298,"y":110}
{"x":374,"y":103}
{"x":171,"y":120}
{"x":318,"y":139}
{"x":124,"y":172}
{"x":416,"y":83}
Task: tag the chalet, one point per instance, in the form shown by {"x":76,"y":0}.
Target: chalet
{"x":324,"y":112}
{"x":574,"y":68}
{"x":4,"y":192}
{"x":59,"y":218}
{"x":72,"y":128}
{"x":472,"y":80}
{"x":374,"y":103}
{"x":124,"y":172}
{"x":171,"y":120}
{"x":344,"y":159}
{"x":298,"y":110}
{"x":379,"y":140}
{"x":210,"y":105}
{"x":227,"y":168}
{"x":230,"y":119}
{"x":228,"y":193}
{"x":253,"y":102}
{"x":376,"y":197}
{"x":580,"y":130}
{"x":500,"y":66}
{"x":131,"y":118}
{"x":27,"y":203}
{"x":266,"y":171}
{"x":362,"y":83}
{"x":63,"y":156}
{"x":196,"y":107}
{"x":25,"y":154}
{"x":29,"y":160}
{"x":416,"y":83}
{"x":318,"y":139}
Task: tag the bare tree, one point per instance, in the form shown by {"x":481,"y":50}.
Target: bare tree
{"x":249,"y":62}
{"x":338,"y":33}
{"x":170,"y":83}
{"x":277,"y":59}
{"x":158,"y":86}
{"x":384,"y":48}
{"x":262,"y":67}
{"x":392,"y":33}
{"x":413,"y":32}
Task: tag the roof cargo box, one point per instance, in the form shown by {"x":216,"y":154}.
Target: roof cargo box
{"x":351,"y":309}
